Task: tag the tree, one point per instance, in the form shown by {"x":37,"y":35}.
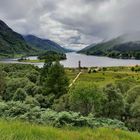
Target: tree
{"x":133,"y":101}
{"x":45,"y":70}
{"x":61,"y":104}
{"x":86,"y":99}
{"x":42,"y":100}
{"x":125,"y":84}
{"x":20,"y":95}
{"x":56,"y":81}
{"x":113,"y":105}
{"x":12,"y":85}
{"x":133,"y":69}
{"x":50,"y":57}
{"x":29,"y":88}
{"x":133,"y":121}
{"x":31,"y":101}
{"x":2,"y":84}
{"x":33,"y":76}
{"x":132,"y":94}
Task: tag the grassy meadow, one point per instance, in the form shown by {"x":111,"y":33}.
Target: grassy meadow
{"x":25,"y":131}
{"x":104,"y":77}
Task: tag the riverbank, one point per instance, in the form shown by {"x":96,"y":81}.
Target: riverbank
{"x":86,"y":61}
{"x":31,"y":61}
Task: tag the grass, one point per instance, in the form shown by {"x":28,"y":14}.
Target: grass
{"x":32,"y":61}
{"x":103,"y":78}
{"x":24,"y":131}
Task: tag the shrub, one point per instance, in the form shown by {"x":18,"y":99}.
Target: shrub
{"x":33,"y":76}
{"x":134,"y":121}
{"x":20,"y":95}
{"x":85,"y":98}
{"x":17,"y":110}
{"x":133,"y":94}
{"x":2,"y":84}
{"x":125,"y":84}
{"x":113,"y":105}
{"x":13,"y":85}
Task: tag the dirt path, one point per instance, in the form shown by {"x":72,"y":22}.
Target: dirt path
{"x":75,"y":79}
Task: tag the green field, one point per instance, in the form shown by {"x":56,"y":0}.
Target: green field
{"x":26,"y":131}
{"x":32,"y":61}
{"x":102,"y":78}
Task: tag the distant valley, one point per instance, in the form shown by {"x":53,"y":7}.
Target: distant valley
{"x":43,"y":44}
{"x":13,"y":44}
{"x":126,"y":46}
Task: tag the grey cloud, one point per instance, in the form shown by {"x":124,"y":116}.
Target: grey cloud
{"x":72,"y":23}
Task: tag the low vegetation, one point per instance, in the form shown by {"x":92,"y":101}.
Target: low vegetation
{"x":14,"y":131}
{"x":101,"y":97}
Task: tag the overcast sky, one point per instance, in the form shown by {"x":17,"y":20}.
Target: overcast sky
{"x":72,"y":23}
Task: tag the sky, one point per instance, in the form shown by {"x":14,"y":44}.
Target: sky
{"x":72,"y":23}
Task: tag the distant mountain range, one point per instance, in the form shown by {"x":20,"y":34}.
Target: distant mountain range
{"x":43,"y":44}
{"x":13,"y":44}
{"x":87,"y":48}
{"x":125,"y":46}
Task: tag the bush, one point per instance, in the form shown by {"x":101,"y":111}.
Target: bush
{"x":13,"y":109}
{"x":85,"y":99}
{"x":125,"y":84}
{"x":13,"y":85}
{"x":33,"y":76}
{"x":2,"y":84}
{"x":20,"y":95}
{"x":18,"y":110}
{"x":42,"y":100}
{"x":134,"y":121}
{"x":133,"y":94}
{"x":113,"y":105}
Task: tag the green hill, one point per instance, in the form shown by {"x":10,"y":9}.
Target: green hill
{"x":125,"y":46}
{"x":12,"y":43}
{"x":44,"y":44}
{"x":25,"y":131}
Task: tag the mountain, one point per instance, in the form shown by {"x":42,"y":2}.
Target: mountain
{"x":124,"y":46}
{"x":44,"y":44}
{"x":86,"y":48}
{"x":12,"y":43}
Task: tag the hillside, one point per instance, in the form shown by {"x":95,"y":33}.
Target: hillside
{"x":26,"y":131}
{"x":43,"y":44}
{"x":12,"y":43}
{"x":125,"y":46}
{"x":88,"y":47}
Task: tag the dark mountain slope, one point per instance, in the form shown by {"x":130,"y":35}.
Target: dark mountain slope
{"x":44,"y":44}
{"x":12,"y":43}
{"x":125,"y":46}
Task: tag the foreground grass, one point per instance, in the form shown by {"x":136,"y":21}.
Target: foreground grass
{"x":24,"y":131}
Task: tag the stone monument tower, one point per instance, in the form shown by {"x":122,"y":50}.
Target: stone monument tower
{"x":79,"y":65}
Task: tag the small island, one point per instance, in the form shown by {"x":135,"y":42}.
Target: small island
{"x":44,"y":56}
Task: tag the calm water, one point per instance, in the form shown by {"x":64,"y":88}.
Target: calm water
{"x":86,"y":61}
